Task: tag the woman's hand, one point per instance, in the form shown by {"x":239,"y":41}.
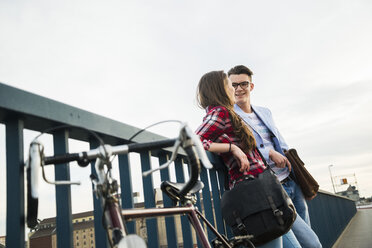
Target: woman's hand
{"x":279,"y":160}
{"x":240,"y":157}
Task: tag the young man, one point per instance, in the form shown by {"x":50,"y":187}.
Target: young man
{"x":271,"y":144}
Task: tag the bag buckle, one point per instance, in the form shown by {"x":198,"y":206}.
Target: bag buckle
{"x":240,"y":225}
{"x":277,"y":212}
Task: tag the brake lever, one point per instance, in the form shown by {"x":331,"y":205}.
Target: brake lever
{"x":35,"y":161}
{"x":199,"y":147}
{"x":166,"y":164}
{"x":184,"y":133}
{"x":181,"y":138}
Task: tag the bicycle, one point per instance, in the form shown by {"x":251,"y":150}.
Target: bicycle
{"x":106,"y":188}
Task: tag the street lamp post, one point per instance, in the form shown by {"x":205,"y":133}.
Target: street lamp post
{"x":333,"y":185}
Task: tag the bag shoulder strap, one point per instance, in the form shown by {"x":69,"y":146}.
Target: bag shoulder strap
{"x":264,"y":160}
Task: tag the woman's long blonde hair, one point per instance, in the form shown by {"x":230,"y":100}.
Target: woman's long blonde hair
{"x":212,"y":92}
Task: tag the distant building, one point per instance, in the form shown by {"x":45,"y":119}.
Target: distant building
{"x":2,"y":241}
{"x":83,"y":232}
{"x":351,"y":192}
{"x":45,"y":236}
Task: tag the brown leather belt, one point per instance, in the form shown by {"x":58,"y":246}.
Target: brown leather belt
{"x":285,"y":180}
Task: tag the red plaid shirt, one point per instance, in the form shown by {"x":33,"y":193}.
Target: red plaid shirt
{"x":217,"y":127}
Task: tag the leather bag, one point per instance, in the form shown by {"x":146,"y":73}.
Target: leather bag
{"x":307,"y":183}
{"x":258,"y":206}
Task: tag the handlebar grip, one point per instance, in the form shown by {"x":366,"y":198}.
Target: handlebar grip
{"x":139,"y":147}
{"x":33,"y":185}
{"x":60,"y":159}
{"x":32,"y":203}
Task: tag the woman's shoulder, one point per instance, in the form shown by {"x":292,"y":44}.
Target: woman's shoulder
{"x":217,"y":113}
{"x":217,"y":109}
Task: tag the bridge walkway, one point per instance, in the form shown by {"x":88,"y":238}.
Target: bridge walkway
{"x":358,"y":233}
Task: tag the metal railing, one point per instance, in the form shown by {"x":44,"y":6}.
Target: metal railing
{"x":329,"y":215}
{"x":20,"y":110}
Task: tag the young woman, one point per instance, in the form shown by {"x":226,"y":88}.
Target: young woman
{"x":223,"y":132}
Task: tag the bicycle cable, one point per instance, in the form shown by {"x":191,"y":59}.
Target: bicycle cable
{"x":144,"y":129}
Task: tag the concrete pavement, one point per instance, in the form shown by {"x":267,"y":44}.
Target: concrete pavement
{"x":358,"y":234}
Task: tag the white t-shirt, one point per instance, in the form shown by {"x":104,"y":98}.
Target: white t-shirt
{"x":265,"y":134}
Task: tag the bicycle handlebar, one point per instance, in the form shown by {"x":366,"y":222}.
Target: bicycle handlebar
{"x":187,"y":139}
{"x":113,"y":150}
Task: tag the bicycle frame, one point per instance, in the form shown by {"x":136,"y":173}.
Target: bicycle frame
{"x":190,"y":210}
{"x":111,"y":206}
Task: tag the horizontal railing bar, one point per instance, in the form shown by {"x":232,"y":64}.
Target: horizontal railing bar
{"x":40,"y":113}
{"x":333,"y":194}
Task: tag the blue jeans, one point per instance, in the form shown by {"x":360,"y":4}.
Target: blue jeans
{"x":276,"y":243}
{"x":290,"y":240}
{"x":301,"y":234}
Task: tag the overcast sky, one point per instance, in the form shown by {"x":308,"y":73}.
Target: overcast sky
{"x":139,"y":62}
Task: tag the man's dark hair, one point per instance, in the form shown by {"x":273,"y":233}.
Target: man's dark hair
{"x":240,"y":69}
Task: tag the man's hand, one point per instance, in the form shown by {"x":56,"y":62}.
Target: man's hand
{"x":279,"y":160}
{"x":240,"y":157}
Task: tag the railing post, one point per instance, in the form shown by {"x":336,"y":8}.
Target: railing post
{"x":99,"y":232}
{"x":63,"y":193}
{"x":149,"y":195}
{"x":126,"y":188}
{"x":207,"y":202}
{"x":15,"y":217}
{"x":221,"y":180}
{"x":186,"y":228}
{"x":169,"y":220}
{"x":216,"y":200}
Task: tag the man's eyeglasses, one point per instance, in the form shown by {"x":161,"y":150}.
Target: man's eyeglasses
{"x":243,"y":85}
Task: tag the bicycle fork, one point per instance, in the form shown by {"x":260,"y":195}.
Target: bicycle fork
{"x":113,"y":220}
